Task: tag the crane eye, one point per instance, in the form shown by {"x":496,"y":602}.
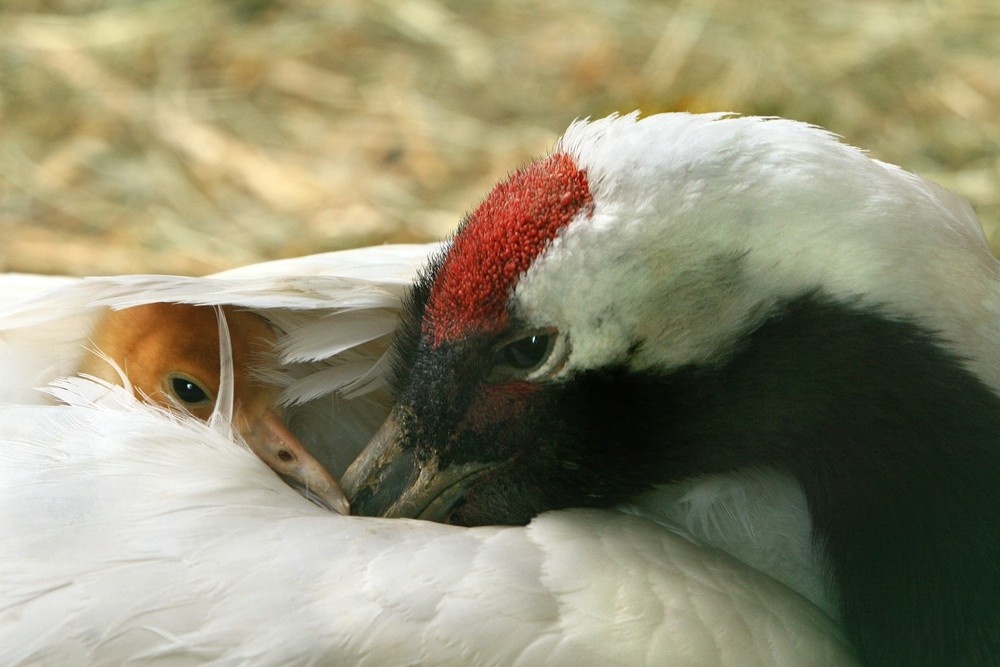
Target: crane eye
{"x":535,"y":356}
{"x":187,"y":391}
{"x":526,"y":353}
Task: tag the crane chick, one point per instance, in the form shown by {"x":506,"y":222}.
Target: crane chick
{"x":170,"y":354}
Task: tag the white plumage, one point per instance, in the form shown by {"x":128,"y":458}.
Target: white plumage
{"x":118,"y":547}
{"x":128,"y":533}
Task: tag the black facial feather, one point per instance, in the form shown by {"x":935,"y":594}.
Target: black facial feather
{"x":406,"y":342}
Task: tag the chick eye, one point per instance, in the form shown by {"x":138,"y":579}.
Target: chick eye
{"x":536,"y":356}
{"x":187,"y":391}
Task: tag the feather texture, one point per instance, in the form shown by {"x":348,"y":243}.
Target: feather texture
{"x":133,"y":534}
{"x":116,"y":548}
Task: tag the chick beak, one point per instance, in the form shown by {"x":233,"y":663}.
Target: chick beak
{"x":275,"y":445}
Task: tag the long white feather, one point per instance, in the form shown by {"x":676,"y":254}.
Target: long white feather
{"x":222,"y":413}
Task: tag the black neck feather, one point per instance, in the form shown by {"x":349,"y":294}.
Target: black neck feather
{"x":897,"y":447}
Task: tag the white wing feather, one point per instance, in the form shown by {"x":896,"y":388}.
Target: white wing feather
{"x":324,"y":304}
{"x":117,"y":547}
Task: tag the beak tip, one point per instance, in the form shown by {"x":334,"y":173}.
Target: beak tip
{"x":380,"y":473}
{"x":274,"y":444}
{"x":340,"y":506}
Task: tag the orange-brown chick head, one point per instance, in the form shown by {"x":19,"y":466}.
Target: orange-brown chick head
{"x":170,"y":354}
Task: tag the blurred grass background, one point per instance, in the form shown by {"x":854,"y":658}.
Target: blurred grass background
{"x":189,"y":136}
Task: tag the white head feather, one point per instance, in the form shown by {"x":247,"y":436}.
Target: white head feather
{"x":705,"y":221}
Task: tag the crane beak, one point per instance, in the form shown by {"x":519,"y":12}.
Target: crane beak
{"x":388,"y":480}
{"x":276,"y":446}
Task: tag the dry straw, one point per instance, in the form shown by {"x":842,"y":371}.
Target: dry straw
{"x":188,"y":136}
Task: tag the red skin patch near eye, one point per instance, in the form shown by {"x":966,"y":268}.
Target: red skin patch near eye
{"x":495,"y":405}
{"x":498,"y":243}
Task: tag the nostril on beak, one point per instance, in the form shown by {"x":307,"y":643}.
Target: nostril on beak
{"x":286,"y":456}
